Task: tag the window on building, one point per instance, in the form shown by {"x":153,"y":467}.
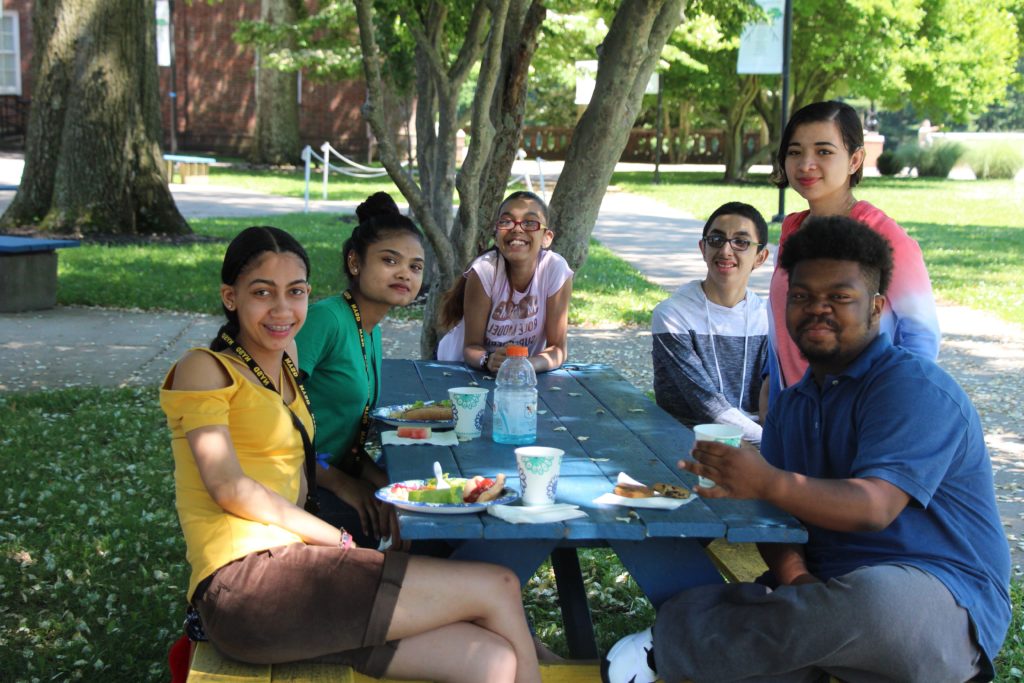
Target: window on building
{"x":10,"y":54}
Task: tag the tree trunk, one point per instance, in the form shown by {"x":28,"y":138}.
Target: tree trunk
{"x":92,"y":156}
{"x":626,"y":60}
{"x":276,"y":139}
{"x":734,"y":120}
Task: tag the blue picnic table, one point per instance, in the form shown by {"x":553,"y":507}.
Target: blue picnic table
{"x":605,"y":426}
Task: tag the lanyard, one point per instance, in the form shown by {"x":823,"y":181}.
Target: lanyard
{"x":354,"y":464}
{"x":312,"y":504}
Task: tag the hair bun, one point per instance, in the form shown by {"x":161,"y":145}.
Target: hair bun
{"x":377,"y":204}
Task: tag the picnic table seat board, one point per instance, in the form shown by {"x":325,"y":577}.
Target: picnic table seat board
{"x":28,"y":272}
{"x":208,"y":666}
{"x":192,"y":169}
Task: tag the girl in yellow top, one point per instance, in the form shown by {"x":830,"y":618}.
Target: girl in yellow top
{"x":272,"y":582}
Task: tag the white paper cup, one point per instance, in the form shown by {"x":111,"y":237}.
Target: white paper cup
{"x":468,"y":405}
{"x":727,"y":434}
{"x":538,"y":473}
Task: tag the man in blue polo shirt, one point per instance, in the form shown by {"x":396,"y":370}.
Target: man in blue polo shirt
{"x":905,"y":573}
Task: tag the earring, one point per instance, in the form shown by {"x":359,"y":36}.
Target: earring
{"x":230,"y":307}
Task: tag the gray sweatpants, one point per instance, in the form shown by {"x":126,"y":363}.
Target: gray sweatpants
{"x":884,"y":623}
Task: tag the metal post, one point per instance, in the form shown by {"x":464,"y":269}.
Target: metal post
{"x":787,"y":49}
{"x":174,"y":81}
{"x":658,"y":139}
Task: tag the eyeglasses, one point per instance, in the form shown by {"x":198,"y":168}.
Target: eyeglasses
{"x":738,"y":243}
{"x":509,"y":224}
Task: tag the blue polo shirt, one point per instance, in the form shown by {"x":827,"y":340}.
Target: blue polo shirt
{"x":899,"y":417}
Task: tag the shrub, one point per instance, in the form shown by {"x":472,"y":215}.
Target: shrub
{"x":995,"y":160}
{"x":939,"y":159}
{"x":908,"y":156}
{"x":888,"y":164}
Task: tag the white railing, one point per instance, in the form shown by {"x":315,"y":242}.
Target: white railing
{"x":353,"y":170}
{"x":524,"y":177}
{"x":357,"y":170}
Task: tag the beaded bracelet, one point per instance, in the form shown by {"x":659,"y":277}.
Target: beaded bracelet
{"x":346,"y":540}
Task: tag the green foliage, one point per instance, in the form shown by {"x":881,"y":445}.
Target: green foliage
{"x":995,"y":160}
{"x":887,"y":163}
{"x":938,"y":159}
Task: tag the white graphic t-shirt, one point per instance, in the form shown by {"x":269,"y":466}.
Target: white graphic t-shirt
{"x":516,"y":317}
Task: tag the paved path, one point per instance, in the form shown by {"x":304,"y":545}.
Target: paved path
{"x":74,"y":346}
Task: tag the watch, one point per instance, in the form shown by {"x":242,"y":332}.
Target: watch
{"x":484,"y":358}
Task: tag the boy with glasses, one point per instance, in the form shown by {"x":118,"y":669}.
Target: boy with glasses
{"x":711,"y":336}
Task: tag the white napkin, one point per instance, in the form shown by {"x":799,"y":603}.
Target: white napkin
{"x":657,"y":501}
{"x":536,"y":514}
{"x":391,"y":438}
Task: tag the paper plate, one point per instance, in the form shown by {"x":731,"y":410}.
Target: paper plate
{"x":384,"y":414}
{"x":507,"y":496}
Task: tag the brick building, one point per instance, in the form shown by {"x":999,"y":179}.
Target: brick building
{"x":215,"y":80}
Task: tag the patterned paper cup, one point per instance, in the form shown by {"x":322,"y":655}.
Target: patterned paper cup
{"x":538,"y":473}
{"x":727,"y":434}
{"x":468,"y":405}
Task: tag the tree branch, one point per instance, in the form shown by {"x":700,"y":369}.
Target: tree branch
{"x":472,"y":45}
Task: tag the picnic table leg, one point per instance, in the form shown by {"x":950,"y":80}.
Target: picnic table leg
{"x":572,"y":597}
{"x":663,"y":567}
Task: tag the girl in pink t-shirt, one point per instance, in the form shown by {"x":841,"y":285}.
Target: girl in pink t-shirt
{"x":517,"y":292}
{"x":821,"y":156}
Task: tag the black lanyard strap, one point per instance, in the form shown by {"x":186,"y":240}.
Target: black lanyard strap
{"x":312,"y":503}
{"x":352,"y":463}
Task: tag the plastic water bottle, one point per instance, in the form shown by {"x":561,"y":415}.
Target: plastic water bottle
{"x":515,"y":399}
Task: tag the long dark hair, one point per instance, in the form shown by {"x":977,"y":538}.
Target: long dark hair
{"x":242,"y":254}
{"x":451,"y":310}
{"x":850,"y":128}
{"x":379,"y":218}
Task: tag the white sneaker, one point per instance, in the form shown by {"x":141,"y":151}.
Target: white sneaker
{"x":626,"y":662}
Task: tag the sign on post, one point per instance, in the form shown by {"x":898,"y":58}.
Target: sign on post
{"x":761,"y":43}
{"x":163,"y":33}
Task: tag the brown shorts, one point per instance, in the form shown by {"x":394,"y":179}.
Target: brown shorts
{"x":302,"y":602}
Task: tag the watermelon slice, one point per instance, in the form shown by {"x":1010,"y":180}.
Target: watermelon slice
{"x":414,"y":432}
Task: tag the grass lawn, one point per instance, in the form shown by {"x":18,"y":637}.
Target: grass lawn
{"x":92,"y":563}
{"x":185,"y":278}
{"x":971,"y":231}
{"x":292,"y":183}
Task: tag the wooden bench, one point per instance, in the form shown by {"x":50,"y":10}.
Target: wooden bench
{"x":28,"y":272}
{"x":191,"y":169}
{"x":736,"y":562}
{"x":210,"y":667}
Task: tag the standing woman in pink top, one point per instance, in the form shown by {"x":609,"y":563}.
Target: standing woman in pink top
{"x":822,"y":156}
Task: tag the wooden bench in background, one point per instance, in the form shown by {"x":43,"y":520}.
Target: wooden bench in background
{"x":28,"y":272}
{"x":191,"y":169}
{"x":210,"y":667}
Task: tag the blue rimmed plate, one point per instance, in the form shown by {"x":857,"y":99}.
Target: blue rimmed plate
{"x":385,"y":494}
{"x":384,"y":414}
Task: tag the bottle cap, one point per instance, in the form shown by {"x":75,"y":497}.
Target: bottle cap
{"x":514,"y":351}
